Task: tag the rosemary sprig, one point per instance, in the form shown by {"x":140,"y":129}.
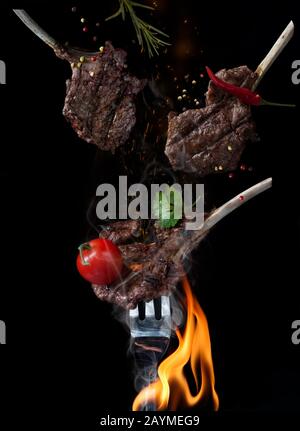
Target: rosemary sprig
{"x":147,"y":35}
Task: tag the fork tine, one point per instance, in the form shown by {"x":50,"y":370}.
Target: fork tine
{"x":157,"y":308}
{"x":142,"y":310}
{"x":150,"y":309}
{"x":151,"y":319}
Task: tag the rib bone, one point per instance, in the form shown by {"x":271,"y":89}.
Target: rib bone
{"x":35,"y":28}
{"x":219,"y":214}
{"x":58,"y":48}
{"x":275,"y":51}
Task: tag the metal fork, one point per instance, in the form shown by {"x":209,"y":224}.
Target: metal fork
{"x":150,"y":327}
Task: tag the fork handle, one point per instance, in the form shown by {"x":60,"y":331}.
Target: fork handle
{"x":148,"y":375}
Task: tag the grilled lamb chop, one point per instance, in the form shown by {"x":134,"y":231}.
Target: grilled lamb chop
{"x":212,"y":139}
{"x":154,"y":268}
{"x":100,"y":97}
{"x":149,"y":269}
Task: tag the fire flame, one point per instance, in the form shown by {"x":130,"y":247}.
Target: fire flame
{"x":194,"y":349}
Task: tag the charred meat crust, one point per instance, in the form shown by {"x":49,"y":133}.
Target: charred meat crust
{"x":149,"y":269}
{"x":100,"y":100}
{"x":212,"y":138}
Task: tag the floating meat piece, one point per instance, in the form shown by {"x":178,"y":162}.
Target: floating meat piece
{"x":100,"y":97}
{"x":212,"y":139}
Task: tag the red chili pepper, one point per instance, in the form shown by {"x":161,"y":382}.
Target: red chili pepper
{"x":243,"y":94}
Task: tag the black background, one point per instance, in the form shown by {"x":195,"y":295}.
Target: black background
{"x":60,"y":337}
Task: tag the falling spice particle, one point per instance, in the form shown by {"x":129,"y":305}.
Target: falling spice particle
{"x":194,"y":82}
{"x":201,"y":75}
{"x":85,"y":29}
{"x":179,"y":97}
{"x":216,"y":168}
{"x":220,"y":168}
{"x":101,"y":49}
{"x":74,"y":9}
{"x":97,"y":24}
{"x":243,"y":167}
{"x":231,"y":175}
{"x":95,"y":38}
{"x":82,"y":20}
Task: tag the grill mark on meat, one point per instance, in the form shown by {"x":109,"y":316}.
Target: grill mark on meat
{"x":109,"y":110}
{"x":92,"y":120}
{"x":211,"y":147}
{"x":110,"y":115}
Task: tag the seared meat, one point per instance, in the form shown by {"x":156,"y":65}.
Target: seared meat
{"x":100,"y":97}
{"x":212,"y":139}
{"x":149,"y":269}
{"x":122,"y":232}
{"x":199,"y":140}
{"x":240,"y":76}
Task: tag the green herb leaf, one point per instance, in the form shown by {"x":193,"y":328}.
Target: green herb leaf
{"x":147,"y":34}
{"x":166,"y":205}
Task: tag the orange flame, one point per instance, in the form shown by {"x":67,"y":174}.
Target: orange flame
{"x":194,"y":349}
